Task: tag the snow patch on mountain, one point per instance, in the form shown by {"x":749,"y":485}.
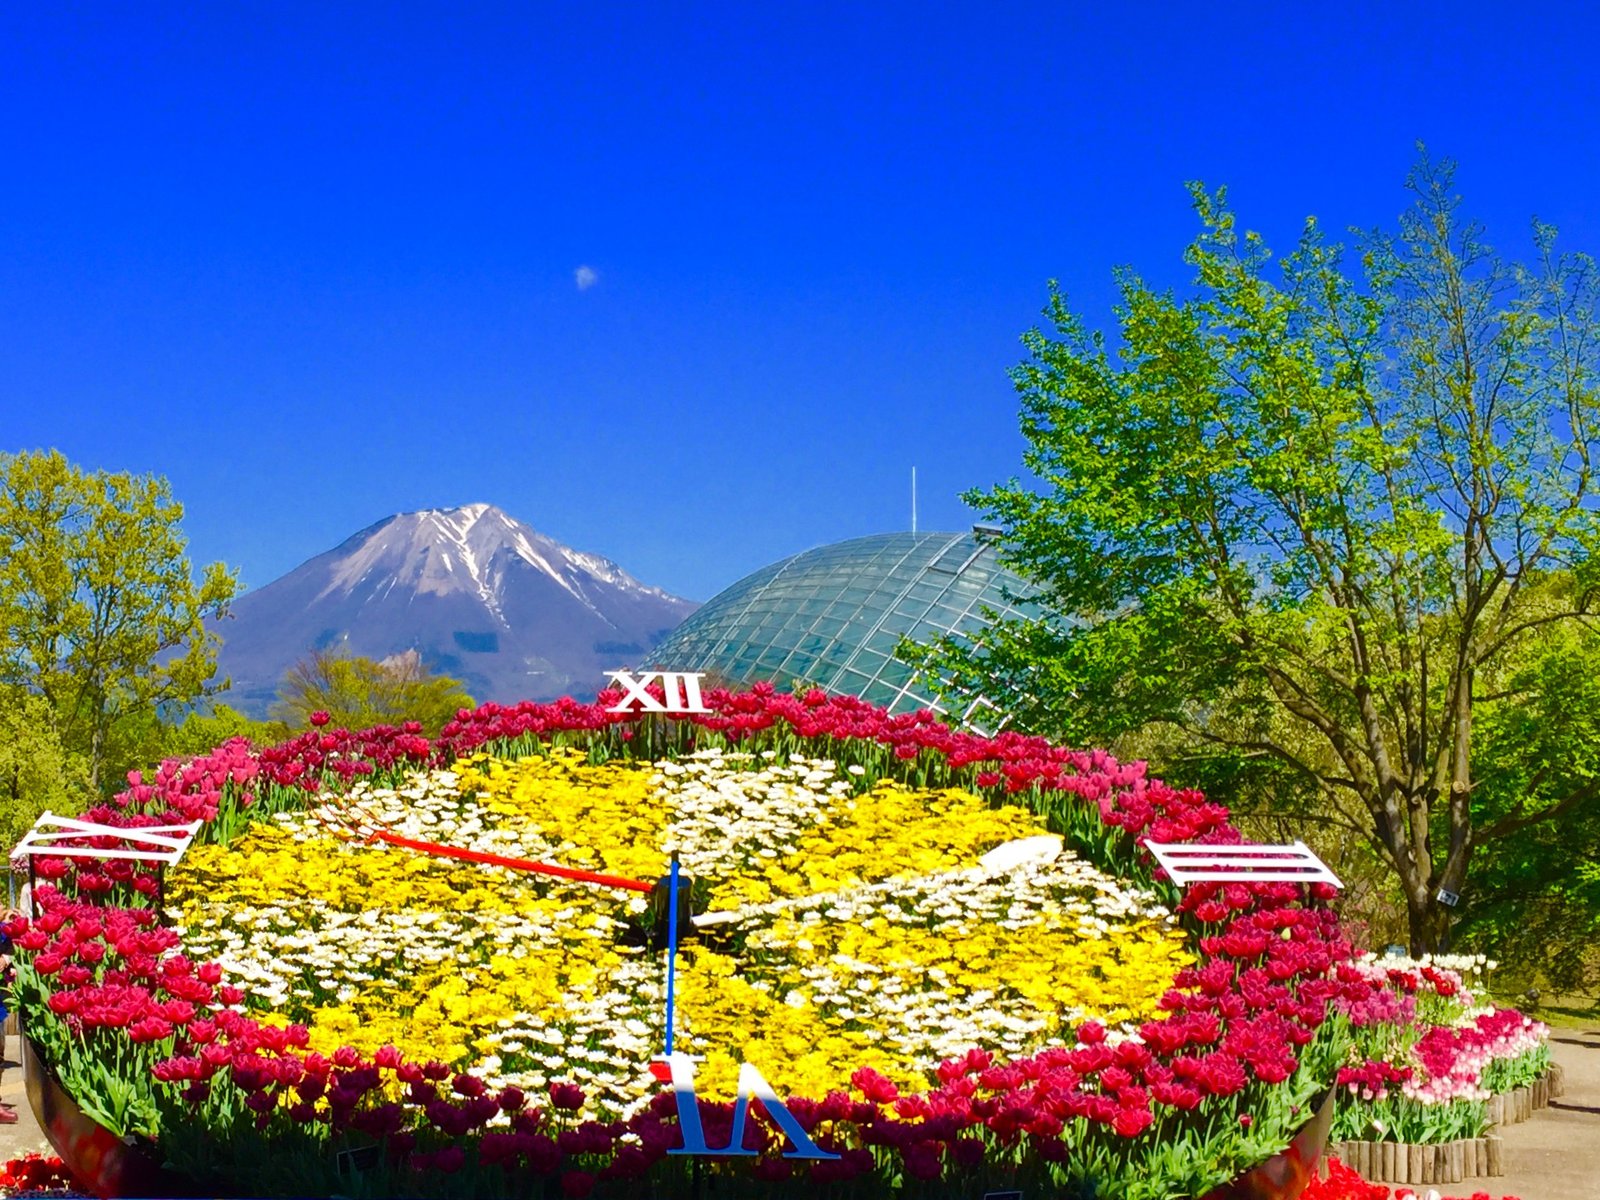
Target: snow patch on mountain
{"x":446,"y":583}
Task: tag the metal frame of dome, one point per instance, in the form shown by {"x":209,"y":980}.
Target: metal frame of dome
{"x":832,"y":616}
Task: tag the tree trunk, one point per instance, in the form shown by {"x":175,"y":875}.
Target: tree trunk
{"x":97,"y":746}
{"x":1429,"y":924}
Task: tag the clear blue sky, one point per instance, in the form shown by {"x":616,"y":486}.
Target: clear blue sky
{"x":316,"y":263}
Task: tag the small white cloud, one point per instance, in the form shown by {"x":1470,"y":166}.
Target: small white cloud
{"x":585,"y":277}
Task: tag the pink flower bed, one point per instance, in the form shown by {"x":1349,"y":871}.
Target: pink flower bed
{"x":1430,"y":1057}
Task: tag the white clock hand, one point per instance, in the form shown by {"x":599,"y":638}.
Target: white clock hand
{"x":1006,"y":857}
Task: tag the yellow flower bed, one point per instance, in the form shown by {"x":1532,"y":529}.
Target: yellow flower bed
{"x":594,"y":816}
{"x":862,"y":930}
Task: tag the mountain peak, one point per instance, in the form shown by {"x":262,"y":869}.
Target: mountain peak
{"x":459,"y":585}
{"x":467,"y":548}
{"x":466,"y":515}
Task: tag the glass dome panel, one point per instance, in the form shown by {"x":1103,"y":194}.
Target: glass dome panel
{"x":833,"y":616}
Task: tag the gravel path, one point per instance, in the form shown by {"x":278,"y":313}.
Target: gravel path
{"x":25,"y":1135}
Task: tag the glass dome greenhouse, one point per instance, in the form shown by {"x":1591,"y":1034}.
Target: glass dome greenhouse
{"x":831,"y":617}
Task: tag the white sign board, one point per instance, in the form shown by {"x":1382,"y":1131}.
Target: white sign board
{"x":153,"y":843}
{"x":1188,"y":863}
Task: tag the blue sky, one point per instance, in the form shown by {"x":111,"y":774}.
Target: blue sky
{"x":318,"y":264}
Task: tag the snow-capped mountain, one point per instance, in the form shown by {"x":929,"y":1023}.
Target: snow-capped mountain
{"x":479,"y":595}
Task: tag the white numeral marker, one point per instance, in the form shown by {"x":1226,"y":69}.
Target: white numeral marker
{"x":680,"y":689}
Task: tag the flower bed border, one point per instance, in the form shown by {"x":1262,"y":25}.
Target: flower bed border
{"x":96,"y":1158}
{"x":1288,"y":1172}
{"x":1410,"y":1162}
{"x":1519,"y":1104}
{"x":1451,"y":1162}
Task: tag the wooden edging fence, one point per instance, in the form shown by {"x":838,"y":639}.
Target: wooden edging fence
{"x":1403,"y":1162}
{"x":1450,"y":1162}
{"x":1517,"y":1105}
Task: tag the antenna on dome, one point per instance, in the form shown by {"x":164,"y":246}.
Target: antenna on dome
{"x":913,"y":499}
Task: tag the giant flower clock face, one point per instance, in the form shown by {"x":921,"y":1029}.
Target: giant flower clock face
{"x":863,"y":931}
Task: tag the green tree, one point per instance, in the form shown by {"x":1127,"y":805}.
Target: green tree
{"x":184,"y":733}
{"x":100,"y":613}
{"x":1535,"y":895}
{"x":37,"y":773}
{"x":358,"y":693}
{"x":204,"y":729}
{"x":1305,"y":517}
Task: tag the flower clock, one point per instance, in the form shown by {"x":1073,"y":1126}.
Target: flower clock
{"x":919,"y":961}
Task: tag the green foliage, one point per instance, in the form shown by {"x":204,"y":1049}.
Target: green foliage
{"x":357,"y":693}
{"x":1303,"y":514}
{"x":202,"y":730}
{"x":100,"y":614}
{"x":1507,"y":1074}
{"x":37,"y":773}
{"x":1535,"y":899}
{"x":107,"y":1074}
{"x":1401,"y":1119}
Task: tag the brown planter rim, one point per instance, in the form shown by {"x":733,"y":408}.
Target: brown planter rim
{"x":98,"y":1160}
{"x":1289,"y":1172}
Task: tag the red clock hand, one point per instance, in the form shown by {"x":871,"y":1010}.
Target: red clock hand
{"x":371,"y":832}
{"x":516,"y":864}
